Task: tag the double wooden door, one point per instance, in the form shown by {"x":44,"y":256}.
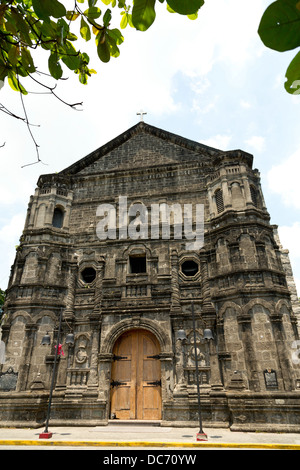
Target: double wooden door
{"x":136,"y":377}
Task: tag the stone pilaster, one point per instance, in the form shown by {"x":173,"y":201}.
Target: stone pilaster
{"x":250,"y":359}
{"x":69,"y":310}
{"x":98,"y":288}
{"x":175,"y":293}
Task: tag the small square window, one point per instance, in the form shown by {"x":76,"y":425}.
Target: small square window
{"x":137,"y":264}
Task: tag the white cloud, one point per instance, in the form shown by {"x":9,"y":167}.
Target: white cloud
{"x":297,"y":282}
{"x":283,"y":179}
{"x":256,"y":142}
{"x":290,"y":239}
{"x":9,"y":237}
{"x":218,"y":141}
{"x":14,"y":226}
{"x":245,"y":104}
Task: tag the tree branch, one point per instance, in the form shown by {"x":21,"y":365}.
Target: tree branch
{"x":51,"y":91}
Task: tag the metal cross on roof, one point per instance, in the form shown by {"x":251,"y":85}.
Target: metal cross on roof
{"x":141,"y":113}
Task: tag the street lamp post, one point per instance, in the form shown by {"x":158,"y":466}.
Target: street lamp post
{"x":207,"y":335}
{"x":46,"y":434}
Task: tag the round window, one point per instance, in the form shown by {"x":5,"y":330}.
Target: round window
{"x":189,"y":268}
{"x":88,"y":275}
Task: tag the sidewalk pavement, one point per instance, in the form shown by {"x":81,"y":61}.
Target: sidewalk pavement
{"x":146,"y":436}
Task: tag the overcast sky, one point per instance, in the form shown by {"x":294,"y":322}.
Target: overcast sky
{"x":210,"y":80}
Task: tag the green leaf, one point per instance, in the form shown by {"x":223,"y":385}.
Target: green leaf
{"x":107,"y":18}
{"x":113,"y":48}
{"x":3,"y":71}
{"x":46,"y":8}
{"x":40,"y":9}
{"x":14,"y":83}
{"x":293,"y":76}
{"x":13,"y":55}
{"x":85,"y":31}
{"x":143,"y":14}
{"x":193,"y":16}
{"x":72,"y":15}
{"x":92,"y":13}
{"x":279,"y":28}
{"x":54,"y":66}
{"x":22,"y":26}
{"x":124,"y":21}
{"x":103,"y":51}
{"x":49,"y":29}
{"x":116,"y":35}
{"x":27,"y":60}
{"x":185,"y":7}
{"x":62,"y":30}
{"x":70,"y":56}
{"x":56,"y":9}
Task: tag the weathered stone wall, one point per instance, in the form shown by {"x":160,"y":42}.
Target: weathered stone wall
{"x":239,"y":285}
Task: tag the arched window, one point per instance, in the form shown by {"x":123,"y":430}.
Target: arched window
{"x":58,"y":218}
{"x":219,"y":200}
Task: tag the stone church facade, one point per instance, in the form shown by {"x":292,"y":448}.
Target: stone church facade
{"x":125,"y":283}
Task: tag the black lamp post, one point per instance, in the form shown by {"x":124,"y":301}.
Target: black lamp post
{"x":46,"y":341}
{"x":207,"y":335}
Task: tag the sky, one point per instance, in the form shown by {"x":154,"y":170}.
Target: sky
{"x":211,"y":80}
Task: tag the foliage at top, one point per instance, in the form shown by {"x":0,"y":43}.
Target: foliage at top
{"x":279,"y":30}
{"x":30,"y":25}
{"x":27,"y":26}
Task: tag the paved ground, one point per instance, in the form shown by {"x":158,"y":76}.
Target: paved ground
{"x":131,"y":437}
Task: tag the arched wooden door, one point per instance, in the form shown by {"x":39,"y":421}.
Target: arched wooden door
{"x":136,"y":377}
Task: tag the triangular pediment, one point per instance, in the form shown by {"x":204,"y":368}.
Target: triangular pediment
{"x":139,"y":147}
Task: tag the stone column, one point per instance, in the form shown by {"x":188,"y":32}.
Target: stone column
{"x":180,"y":389}
{"x":283,"y":360}
{"x":166,"y":360}
{"x":209,"y":318}
{"x":30,"y":330}
{"x":212,"y":203}
{"x":33,"y":207}
{"x":247,"y":192}
{"x":105,"y":361}
{"x":95,"y":340}
{"x":263,"y":203}
{"x":225,"y":191}
{"x":69,"y":310}
{"x":250,"y":359}
{"x":18,"y":272}
{"x":98,"y":289}
{"x":50,"y":209}
{"x":207,"y":306}
{"x":221,"y":351}
{"x":68,"y":211}
{"x":175,"y":293}
{"x":5,"y":329}
{"x":215,"y":376}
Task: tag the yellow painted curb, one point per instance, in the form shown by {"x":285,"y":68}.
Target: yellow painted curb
{"x":42,"y":442}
